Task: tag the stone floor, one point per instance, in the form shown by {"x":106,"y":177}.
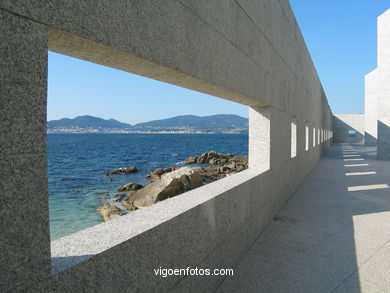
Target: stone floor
{"x":332,"y":236}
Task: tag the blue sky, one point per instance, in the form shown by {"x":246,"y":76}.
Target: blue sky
{"x":340,"y":35}
{"x":77,"y":87}
{"x":341,"y":38}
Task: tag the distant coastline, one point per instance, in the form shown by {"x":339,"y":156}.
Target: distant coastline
{"x":124,"y":131}
{"x":187,"y":124}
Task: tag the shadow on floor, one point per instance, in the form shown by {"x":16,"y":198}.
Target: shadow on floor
{"x":332,"y":236}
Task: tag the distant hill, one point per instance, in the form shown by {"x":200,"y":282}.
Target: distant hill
{"x":87,"y":122}
{"x":221,"y":121}
{"x":190,"y":123}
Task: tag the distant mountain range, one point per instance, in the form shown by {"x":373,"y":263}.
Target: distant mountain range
{"x":87,"y":121}
{"x":224,"y":123}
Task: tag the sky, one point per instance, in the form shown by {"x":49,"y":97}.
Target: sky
{"x":340,"y":36}
{"x":77,"y":87}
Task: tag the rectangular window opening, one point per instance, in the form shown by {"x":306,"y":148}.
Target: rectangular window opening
{"x":112,"y":134}
{"x":293,"y":138}
{"x":306,"y":138}
{"x":314,"y":137}
{"x":318,"y":136}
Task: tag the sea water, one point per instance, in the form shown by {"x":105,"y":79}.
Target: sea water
{"x":77,"y":166}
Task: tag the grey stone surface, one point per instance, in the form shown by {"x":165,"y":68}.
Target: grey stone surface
{"x":23,"y":86}
{"x":343,"y":123}
{"x":251,"y":52}
{"x":259,"y":260}
{"x":371,"y":109}
{"x":259,"y":138}
{"x":383,"y":140}
{"x":377,"y":93}
{"x":351,"y":258}
{"x":220,"y":14}
{"x":372,"y":276}
{"x":189,"y":45}
{"x":24,"y":241}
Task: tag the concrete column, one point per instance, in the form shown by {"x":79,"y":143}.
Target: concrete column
{"x":370,"y":109}
{"x":383,"y":87}
{"x":383,"y":149}
{"x":384,"y":40}
{"x":284,"y":169}
{"x":259,"y":138}
{"x":24,"y":219}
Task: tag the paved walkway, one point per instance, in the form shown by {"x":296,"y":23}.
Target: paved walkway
{"x":332,"y":236}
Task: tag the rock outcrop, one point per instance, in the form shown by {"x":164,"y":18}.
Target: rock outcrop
{"x":131,"y":169}
{"x":109,"y":212}
{"x":169,"y":185}
{"x":156,"y":174}
{"x":209,"y":158}
{"x":191,"y":160}
{"x":132,"y":186}
{"x":169,"y":182}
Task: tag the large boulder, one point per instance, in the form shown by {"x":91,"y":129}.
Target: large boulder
{"x":128,"y":170}
{"x":169,"y":185}
{"x":109,"y":212}
{"x":132,"y":186}
{"x":127,"y":204}
{"x":191,"y":160}
{"x":156,"y":174}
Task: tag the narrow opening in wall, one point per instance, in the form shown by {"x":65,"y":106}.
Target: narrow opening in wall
{"x":314,"y":136}
{"x":293,"y":138}
{"x":112,"y":136}
{"x":306,"y":138}
{"x":318,"y":136}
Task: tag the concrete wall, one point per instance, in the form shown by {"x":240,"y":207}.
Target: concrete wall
{"x":251,"y":52}
{"x":377,"y":106}
{"x":371,"y":109}
{"x":344,"y":123}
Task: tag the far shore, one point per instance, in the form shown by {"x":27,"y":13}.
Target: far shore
{"x":145,"y":132}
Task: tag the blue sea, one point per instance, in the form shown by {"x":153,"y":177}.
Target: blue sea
{"x":77,"y":165}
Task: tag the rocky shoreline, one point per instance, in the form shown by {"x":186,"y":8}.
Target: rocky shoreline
{"x":169,"y":182}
